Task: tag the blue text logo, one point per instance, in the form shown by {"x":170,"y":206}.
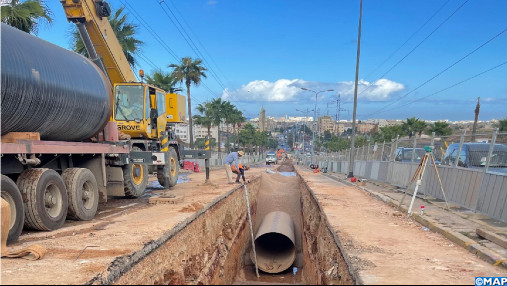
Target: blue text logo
{"x":485,"y":281}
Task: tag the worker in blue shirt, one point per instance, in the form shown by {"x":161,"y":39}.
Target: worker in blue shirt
{"x":229,"y":160}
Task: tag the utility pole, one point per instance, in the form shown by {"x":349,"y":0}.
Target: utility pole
{"x":353,"y":137}
{"x":477,"y":108}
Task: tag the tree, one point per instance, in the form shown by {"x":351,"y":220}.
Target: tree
{"x":200,"y":143}
{"x":440,"y":128}
{"x":25,"y":16}
{"x":327,"y":135}
{"x":236,"y":119}
{"x":164,"y":81}
{"x":388,"y":133}
{"x":412,"y":126}
{"x":124,"y":32}
{"x":227,"y":112}
{"x":191,"y":72}
{"x":247,"y":135}
{"x":502,"y":125}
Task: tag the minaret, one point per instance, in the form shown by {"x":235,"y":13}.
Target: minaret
{"x":262,"y":120}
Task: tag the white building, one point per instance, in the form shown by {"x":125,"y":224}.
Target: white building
{"x":199,"y":132}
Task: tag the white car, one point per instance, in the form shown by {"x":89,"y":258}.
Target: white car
{"x":271,"y":158}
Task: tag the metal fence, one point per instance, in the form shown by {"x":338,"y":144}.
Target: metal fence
{"x":473,"y":175}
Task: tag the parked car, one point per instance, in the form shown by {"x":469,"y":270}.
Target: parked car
{"x":474,"y":155}
{"x":405,"y":154}
{"x":271,"y":158}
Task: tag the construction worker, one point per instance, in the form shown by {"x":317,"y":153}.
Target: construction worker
{"x":239,"y":172}
{"x":229,"y":160}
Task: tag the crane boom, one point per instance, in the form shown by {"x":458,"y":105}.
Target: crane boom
{"x":103,"y":47}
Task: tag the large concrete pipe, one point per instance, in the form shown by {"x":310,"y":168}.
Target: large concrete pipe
{"x":275,"y":243}
{"x":50,"y":90}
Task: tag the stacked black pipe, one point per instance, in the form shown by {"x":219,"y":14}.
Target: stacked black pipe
{"x":50,"y":90}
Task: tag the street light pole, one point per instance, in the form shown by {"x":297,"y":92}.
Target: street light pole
{"x":314,"y":115}
{"x":353,"y":137}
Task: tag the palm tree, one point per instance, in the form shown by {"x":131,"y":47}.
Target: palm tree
{"x":440,"y":128}
{"x":25,"y":16}
{"x":190,"y":71}
{"x":236,"y":119}
{"x":164,"y":81}
{"x":216,"y":113}
{"x":206,"y":119}
{"x":228,"y":111}
{"x":412,"y":126}
{"x":124,"y":32}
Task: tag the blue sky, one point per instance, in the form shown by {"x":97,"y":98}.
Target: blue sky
{"x":428,"y":59}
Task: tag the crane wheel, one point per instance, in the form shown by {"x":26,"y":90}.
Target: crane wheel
{"x":167,"y":175}
{"x":45,"y":198}
{"x":12,"y":195}
{"x":83,"y":193}
{"x":135,"y":178}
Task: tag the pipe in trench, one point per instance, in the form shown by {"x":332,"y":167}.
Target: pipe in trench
{"x":275,"y":243}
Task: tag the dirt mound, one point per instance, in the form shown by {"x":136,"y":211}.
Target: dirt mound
{"x":192,"y":208}
{"x":286,"y":167}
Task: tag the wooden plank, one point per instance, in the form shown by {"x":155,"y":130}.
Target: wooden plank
{"x":13,"y":137}
{"x":492,"y":237}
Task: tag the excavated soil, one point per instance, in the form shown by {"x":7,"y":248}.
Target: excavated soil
{"x":343,"y":236}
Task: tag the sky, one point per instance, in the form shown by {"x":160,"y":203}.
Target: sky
{"x":427,"y":59}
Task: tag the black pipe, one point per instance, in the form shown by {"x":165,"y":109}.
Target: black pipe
{"x":50,"y":90}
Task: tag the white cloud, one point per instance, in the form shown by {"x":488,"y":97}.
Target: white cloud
{"x":380,"y":90}
{"x":211,"y":2}
{"x":290,"y":90}
{"x":262,"y":90}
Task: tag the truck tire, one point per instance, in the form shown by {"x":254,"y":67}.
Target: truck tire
{"x":135,"y":178}
{"x":83,"y":193}
{"x":12,"y":195}
{"x":45,"y":198}
{"x":167,"y":175}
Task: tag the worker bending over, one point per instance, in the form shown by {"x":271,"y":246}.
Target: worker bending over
{"x":240,"y":172}
{"x":229,"y":161}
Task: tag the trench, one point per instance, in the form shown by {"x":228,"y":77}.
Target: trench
{"x":214,"y":246}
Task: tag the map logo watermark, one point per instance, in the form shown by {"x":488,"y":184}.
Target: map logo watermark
{"x":486,"y":281}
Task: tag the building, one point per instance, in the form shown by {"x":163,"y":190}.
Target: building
{"x":181,"y":131}
{"x":327,"y":123}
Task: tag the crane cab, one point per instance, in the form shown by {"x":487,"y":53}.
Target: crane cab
{"x":144,"y":111}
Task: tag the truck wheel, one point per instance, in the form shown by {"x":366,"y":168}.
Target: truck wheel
{"x":83,"y":193}
{"x":45,"y":198}
{"x":12,"y":195}
{"x":167,"y":175}
{"x":135,"y":178}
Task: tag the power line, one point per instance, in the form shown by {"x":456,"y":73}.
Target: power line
{"x":420,"y":43}
{"x":409,"y":38}
{"x":194,"y":47}
{"x":181,"y":29}
{"x":198,"y":41}
{"x":449,"y":87}
{"x":189,"y":40}
{"x":441,"y":72}
{"x":150,"y":30}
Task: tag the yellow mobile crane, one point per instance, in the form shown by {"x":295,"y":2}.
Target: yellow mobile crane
{"x":62,"y":115}
{"x":144,"y":112}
